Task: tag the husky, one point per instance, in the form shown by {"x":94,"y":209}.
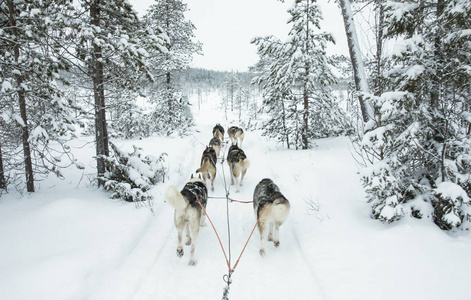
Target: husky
{"x":236,"y":134}
{"x":238,"y":164}
{"x":218,"y":131}
{"x":276,"y":211}
{"x":215,"y":143}
{"x":208,"y":165}
{"x":188,"y":213}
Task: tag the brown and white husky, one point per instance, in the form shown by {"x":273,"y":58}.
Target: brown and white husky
{"x":275,"y":213}
{"x":208,"y":165}
{"x":188,"y":213}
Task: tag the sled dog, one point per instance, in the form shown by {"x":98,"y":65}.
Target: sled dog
{"x":218,"y":131}
{"x":208,"y":165}
{"x":238,"y":164}
{"x":215,"y":143}
{"x":236,"y":135}
{"x":276,"y":211}
{"x":188,"y":213}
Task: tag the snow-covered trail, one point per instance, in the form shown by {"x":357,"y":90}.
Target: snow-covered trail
{"x":166,"y":276}
{"x":70,"y":241}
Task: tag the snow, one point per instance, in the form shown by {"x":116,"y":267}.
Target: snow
{"x":6,"y":86}
{"x":452,"y":190}
{"x":70,"y":241}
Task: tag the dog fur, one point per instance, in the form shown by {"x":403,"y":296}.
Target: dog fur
{"x":218,"y":131}
{"x":236,"y":134}
{"x":238,"y":164}
{"x":188,"y":213}
{"x":215,"y":143}
{"x":276,"y":211}
{"x":208,"y":165}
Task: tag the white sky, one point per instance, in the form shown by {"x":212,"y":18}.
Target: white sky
{"x":226,"y":27}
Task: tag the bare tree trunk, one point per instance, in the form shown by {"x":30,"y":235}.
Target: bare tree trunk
{"x":101,"y":132}
{"x":22,"y":105}
{"x":379,"y":49}
{"x":435,"y":92}
{"x":3,"y":182}
{"x":305,"y":130}
{"x":359,"y":74}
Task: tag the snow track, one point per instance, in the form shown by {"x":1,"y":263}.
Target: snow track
{"x":278,"y":275}
{"x":75,"y":243}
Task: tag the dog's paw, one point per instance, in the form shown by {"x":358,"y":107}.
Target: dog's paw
{"x":270,"y":238}
{"x":262,"y":252}
{"x":192,"y":263}
{"x":179,"y":252}
{"x":188,"y":242}
{"x":203,"y":224}
{"x":277,"y":244}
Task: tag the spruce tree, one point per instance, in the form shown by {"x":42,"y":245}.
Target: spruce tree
{"x":111,"y":55}
{"x":32,"y":73}
{"x":168,"y":15}
{"x":301,"y":70}
{"x":419,"y":140}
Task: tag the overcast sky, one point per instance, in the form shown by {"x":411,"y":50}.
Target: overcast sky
{"x":226,"y":27}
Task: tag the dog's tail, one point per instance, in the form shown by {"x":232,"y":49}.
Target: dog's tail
{"x":245,"y":163}
{"x":204,"y":165}
{"x":175,"y":198}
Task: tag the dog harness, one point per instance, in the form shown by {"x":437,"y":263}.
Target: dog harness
{"x":193,"y":189}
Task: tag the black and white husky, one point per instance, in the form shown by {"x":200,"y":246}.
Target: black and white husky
{"x":215,"y":143}
{"x":188,"y":213}
{"x":275,"y":213}
{"x":236,"y":135}
{"x":218,"y":131}
{"x":238,"y":164}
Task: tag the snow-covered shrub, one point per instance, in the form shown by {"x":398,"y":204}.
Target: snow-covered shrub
{"x":386,"y":147}
{"x":451,"y":206}
{"x":130,"y":176}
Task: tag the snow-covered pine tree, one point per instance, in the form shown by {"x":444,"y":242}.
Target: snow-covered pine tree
{"x":300,"y":68}
{"x":110,"y":55}
{"x":420,"y":140}
{"x":168,"y":15}
{"x":32,"y":65}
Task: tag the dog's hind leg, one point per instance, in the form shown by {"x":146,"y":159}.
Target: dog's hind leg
{"x":244,"y":171}
{"x":213,"y":176}
{"x":270,"y":232}
{"x":262,"y":226}
{"x":195,"y":228}
{"x":187,"y":233}
{"x":203,"y":217}
{"x":276,"y":234}
{"x":180,"y":224}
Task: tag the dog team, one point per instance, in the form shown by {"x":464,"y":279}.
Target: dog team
{"x":271,"y":208}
